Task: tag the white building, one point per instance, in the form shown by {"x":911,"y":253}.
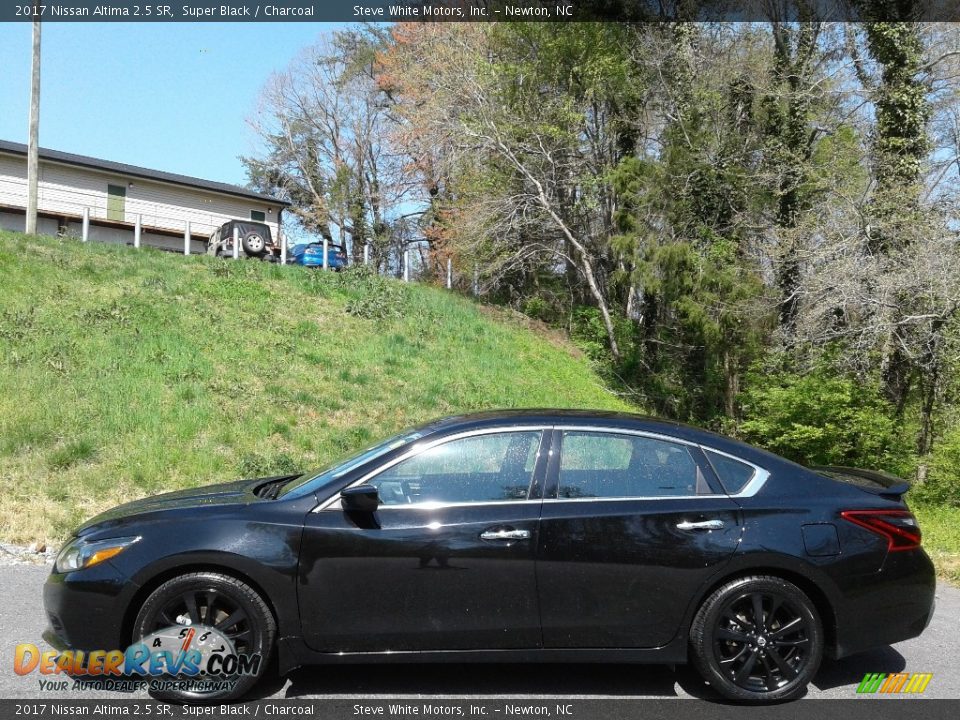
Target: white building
{"x":114,"y":198}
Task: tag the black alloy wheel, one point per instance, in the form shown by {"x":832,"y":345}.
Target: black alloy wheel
{"x":212,"y":600}
{"x":758,"y":638}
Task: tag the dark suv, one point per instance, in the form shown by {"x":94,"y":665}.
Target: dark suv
{"x":256,"y":240}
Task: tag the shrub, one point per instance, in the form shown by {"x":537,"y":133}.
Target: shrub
{"x":821,"y":418}
{"x":942,"y":484}
{"x":372,"y":297}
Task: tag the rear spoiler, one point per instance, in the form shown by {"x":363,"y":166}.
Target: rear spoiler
{"x":874,"y":481}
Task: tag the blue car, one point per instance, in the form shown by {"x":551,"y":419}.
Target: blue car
{"x":311,"y":255}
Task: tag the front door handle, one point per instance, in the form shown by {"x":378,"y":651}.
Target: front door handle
{"x":505,"y":534}
{"x":702,"y":525}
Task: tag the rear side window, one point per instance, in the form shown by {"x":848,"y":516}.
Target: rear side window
{"x":608,"y":465}
{"x":734,"y":475}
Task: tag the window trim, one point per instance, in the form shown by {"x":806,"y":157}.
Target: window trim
{"x":752,"y":487}
{"x":332,"y":502}
{"x":546,"y":469}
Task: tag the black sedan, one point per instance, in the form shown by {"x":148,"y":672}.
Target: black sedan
{"x":539,"y":535}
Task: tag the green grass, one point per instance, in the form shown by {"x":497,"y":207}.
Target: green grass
{"x":125,"y":373}
{"x":941,"y":538}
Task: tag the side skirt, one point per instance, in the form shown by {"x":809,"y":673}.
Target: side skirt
{"x":293,"y":653}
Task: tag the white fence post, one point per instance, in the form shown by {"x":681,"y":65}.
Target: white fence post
{"x":476,"y":282}
{"x":137,"y":231}
{"x":366,"y":253}
{"x":236,"y":243}
{"x":326,"y":245}
{"x":283,"y":247}
{"x":186,"y":239}
{"x":449,"y":273}
{"x":406,"y":265}
{"x":85,"y":235}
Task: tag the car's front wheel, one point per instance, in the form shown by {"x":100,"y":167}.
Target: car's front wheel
{"x":211,"y":614}
{"x":757,"y":639}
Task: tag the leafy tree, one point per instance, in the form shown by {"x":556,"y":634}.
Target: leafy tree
{"x":821,"y":418}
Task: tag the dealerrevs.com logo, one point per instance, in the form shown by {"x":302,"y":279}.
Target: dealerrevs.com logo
{"x":890,"y":683}
{"x":197,"y":659}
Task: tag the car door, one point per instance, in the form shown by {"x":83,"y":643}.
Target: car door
{"x":631,"y":527}
{"x":447,"y":560}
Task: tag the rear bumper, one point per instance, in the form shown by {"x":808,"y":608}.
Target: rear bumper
{"x":318,"y":262}
{"x":890,"y":606}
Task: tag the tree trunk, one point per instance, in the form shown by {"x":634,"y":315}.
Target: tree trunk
{"x":930,"y":385}
{"x":731,"y":373}
{"x":582,"y":253}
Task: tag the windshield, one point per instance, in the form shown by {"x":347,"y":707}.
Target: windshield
{"x":306,"y":482}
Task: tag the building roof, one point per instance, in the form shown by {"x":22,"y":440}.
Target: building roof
{"x":145,"y":173}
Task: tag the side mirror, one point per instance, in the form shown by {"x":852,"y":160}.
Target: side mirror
{"x":361,"y":498}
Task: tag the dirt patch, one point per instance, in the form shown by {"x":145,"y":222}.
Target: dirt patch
{"x":513,"y":317}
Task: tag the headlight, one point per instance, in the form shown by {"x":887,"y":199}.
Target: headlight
{"x":79,"y":554}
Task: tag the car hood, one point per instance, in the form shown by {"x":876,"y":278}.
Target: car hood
{"x":239,"y":492}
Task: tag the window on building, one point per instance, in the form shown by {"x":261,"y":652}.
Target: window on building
{"x":258,"y":215}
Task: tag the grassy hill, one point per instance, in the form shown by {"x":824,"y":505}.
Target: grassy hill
{"x":125,"y":373}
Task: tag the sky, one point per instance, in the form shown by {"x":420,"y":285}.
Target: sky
{"x":166,"y":96}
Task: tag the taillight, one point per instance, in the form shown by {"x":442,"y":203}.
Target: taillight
{"x":899,"y":527}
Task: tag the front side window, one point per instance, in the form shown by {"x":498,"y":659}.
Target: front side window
{"x":482,"y":468}
{"x":608,"y":465}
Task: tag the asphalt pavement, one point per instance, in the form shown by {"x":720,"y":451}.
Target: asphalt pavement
{"x":937,"y":651}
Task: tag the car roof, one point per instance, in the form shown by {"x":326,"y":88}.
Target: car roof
{"x":231,"y":223}
{"x":564,"y":416}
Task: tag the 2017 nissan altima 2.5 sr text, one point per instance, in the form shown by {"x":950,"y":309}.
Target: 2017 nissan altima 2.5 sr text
{"x":537,"y":535}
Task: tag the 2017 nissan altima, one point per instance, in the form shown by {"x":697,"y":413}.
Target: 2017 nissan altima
{"x":545,"y":536}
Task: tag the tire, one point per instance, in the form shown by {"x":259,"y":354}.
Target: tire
{"x":255,"y":632}
{"x":254,"y":244}
{"x":747,"y":662}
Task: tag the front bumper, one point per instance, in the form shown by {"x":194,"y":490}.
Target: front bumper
{"x":86,"y":609}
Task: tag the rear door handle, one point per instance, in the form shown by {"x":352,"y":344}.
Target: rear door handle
{"x":505,"y":534}
{"x":702,"y":525}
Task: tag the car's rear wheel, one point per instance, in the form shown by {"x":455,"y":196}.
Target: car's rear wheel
{"x":757,"y":639}
{"x":229,"y":606}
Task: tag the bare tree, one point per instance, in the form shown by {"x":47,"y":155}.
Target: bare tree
{"x":322,"y":124}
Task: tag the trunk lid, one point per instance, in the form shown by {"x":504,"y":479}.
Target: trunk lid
{"x":872,"y":481}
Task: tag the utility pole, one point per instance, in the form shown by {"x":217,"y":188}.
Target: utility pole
{"x":33,"y":147}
